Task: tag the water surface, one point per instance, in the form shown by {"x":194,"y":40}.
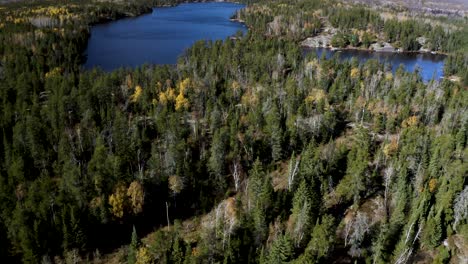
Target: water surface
{"x":430,"y":66}
{"x":160,"y":37}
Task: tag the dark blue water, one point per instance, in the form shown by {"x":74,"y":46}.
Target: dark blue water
{"x":160,"y":37}
{"x":430,"y":66}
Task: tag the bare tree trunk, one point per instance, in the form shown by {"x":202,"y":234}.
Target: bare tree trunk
{"x":292,"y":173}
{"x":167,"y":215}
{"x":236,"y":176}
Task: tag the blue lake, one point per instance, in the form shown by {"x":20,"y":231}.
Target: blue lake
{"x":160,"y":37}
{"x":431,"y":66}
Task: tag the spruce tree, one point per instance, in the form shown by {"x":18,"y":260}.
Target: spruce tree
{"x":133,"y":248}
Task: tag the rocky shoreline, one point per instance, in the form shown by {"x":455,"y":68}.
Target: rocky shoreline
{"x":324,"y":41}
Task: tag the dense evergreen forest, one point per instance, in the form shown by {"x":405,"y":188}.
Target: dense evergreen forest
{"x":246,"y":151}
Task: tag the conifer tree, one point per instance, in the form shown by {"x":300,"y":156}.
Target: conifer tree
{"x":281,"y":250}
{"x":133,"y":248}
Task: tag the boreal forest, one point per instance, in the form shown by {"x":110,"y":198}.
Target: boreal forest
{"x":248,"y":150}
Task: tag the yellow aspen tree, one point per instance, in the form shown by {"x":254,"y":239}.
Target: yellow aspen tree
{"x":163,"y":98}
{"x":410,"y":121}
{"x":117,"y":201}
{"x":167,"y":96}
{"x":432,"y":185}
{"x":183,"y":85}
{"x":391,"y":148}
{"x":137,"y":196}
{"x":170,"y":94}
{"x":176,"y":184}
{"x":137,"y":94}
{"x":181,"y":102}
{"x":354,"y":73}
{"x":143,"y":256}
{"x":315,"y":96}
{"x":389,"y":76}
{"x":55,"y":72}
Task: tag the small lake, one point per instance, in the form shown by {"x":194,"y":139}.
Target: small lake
{"x":160,"y":37}
{"x":430,"y":65}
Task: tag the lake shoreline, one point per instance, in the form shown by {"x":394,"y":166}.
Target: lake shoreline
{"x":375,"y":51}
{"x":149,"y":10}
{"x":210,"y":21}
{"x":105,"y":20}
{"x":240,"y":21}
{"x":388,"y":48}
{"x":430,"y":65}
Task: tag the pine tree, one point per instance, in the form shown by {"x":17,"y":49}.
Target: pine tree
{"x":432,"y":233}
{"x":259,"y":199}
{"x":177,"y":252}
{"x":323,"y":237}
{"x":281,"y":250}
{"x":356,"y":177}
{"x":260,"y":188}
{"x":216,"y":159}
{"x":133,"y":248}
{"x":301,"y":216}
{"x":275,"y":131}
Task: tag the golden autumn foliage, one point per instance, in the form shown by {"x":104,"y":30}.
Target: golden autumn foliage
{"x":170,"y":94}
{"x":184,"y":85}
{"x":388,"y":76}
{"x":158,"y":86}
{"x":195,"y":252}
{"x":360,"y":102}
{"x":55,"y":72}
{"x":137,"y":196}
{"x":117,"y":201}
{"x":432,"y":185}
{"x":167,"y":96}
{"x":235,"y":86}
{"x":138,"y":91}
{"x":52,"y":11}
{"x":354,"y":73}
{"x":122,"y":198}
{"x":176,"y":184}
{"x":249,"y":98}
{"x":17,"y":20}
{"x":181,"y":102}
{"x":96,"y":202}
{"x":315,"y":96}
{"x":410,"y":122}
{"x":143,"y":256}
{"x":391,"y":148}
{"x":163,"y":98}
